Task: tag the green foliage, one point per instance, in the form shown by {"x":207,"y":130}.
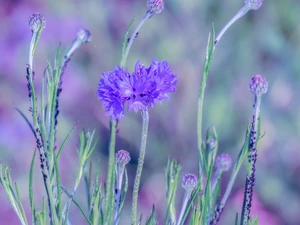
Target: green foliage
{"x":171,"y":178}
{"x":12,"y":193}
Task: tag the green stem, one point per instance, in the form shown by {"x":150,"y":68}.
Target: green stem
{"x":109,"y":201}
{"x":137,"y":180}
{"x":252,"y":157}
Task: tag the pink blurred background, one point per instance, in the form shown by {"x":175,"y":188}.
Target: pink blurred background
{"x":265,"y":41}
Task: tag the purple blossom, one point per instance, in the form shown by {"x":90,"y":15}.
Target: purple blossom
{"x":139,"y":90}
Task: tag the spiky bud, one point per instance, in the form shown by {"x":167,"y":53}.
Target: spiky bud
{"x":223,"y":162}
{"x":122,"y":157}
{"x":254,"y":4}
{"x":155,"y":6}
{"x":36,"y":22}
{"x":189,"y":181}
{"x":258,"y":85}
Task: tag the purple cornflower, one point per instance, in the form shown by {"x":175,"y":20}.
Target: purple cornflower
{"x":140,"y":90}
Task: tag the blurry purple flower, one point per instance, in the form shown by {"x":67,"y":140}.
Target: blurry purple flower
{"x":258,"y":85}
{"x":223,"y":162}
{"x":142,"y":89}
{"x":189,"y":181}
{"x":36,"y":22}
{"x":155,"y":6}
{"x":254,"y":4}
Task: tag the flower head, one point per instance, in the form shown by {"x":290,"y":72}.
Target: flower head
{"x":122,"y":157}
{"x":84,"y":36}
{"x":36,"y":22}
{"x":258,"y":85}
{"x":223,"y":162}
{"x":189,"y":181}
{"x":254,"y":4}
{"x":140,"y":90}
{"x":155,"y":6}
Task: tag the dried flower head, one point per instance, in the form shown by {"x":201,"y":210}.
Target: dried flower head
{"x":258,"y":85}
{"x":36,"y":22}
{"x":122,"y":157}
{"x":155,"y":6}
{"x":223,"y":162}
{"x":254,"y":4}
{"x":189,"y":181}
{"x":140,"y":90}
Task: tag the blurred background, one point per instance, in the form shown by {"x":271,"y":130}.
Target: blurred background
{"x":264,"y":42}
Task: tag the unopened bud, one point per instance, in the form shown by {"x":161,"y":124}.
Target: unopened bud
{"x":155,"y":6}
{"x":189,"y":181}
{"x":258,"y":85}
{"x":36,"y":22}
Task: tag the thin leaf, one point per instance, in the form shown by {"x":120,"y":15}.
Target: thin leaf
{"x":65,"y":141}
{"x":27,"y":121}
{"x":76,"y":203}
{"x":31,"y":198}
{"x":59,"y":206}
{"x":125,"y":41}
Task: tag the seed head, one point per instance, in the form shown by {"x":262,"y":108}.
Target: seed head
{"x":189,"y":181}
{"x":122,"y":157}
{"x":155,"y":6}
{"x":258,"y":85}
{"x":223,"y":162}
{"x":254,"y":4}
{"x":36,"y":22}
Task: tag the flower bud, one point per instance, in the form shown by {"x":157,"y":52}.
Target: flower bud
{"x":122,"y":157}
{"x":254,"y":4}
{"x":189,"y":181}
{"x":155,"y":6}
{"x":36,"y":22}
{"x":223,"y":162}
{"x":84,"y":36}
{"x":258,"y":85}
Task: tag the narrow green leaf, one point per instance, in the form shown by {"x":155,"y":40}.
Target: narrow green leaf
{"x":64,"y":142}
{"x":152,"y":218}
{"x":27,"y":121}
{"x":20,"y":204}
{"x":126,"y":37}
{"x":31,"y":198}
{"x":59,"y":201}
{"x":76,"y":203}
{"x":236,"y":221}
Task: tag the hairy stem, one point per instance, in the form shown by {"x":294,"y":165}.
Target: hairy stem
{"x":138,"y":175}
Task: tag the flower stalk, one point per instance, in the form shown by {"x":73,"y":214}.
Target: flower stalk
{"x":249,"y":5}
{"x":136,"y":186}
{"x":258,"y":86}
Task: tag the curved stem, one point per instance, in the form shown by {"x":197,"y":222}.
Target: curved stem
{"x":138,"y":175}
{"x":133,"y":36}
{"x":239,"y":14}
